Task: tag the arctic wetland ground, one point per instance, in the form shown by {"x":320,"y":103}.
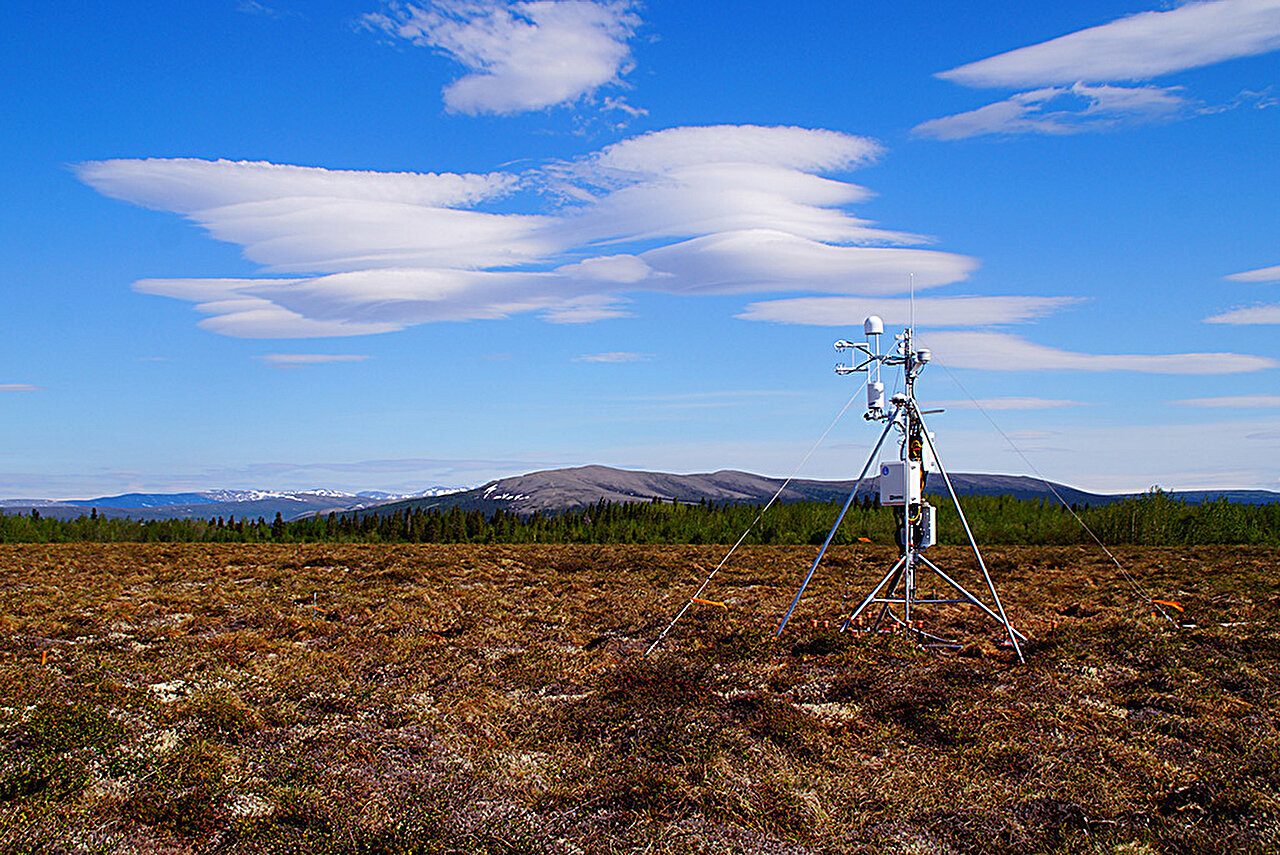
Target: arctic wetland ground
{"x":461,"y":698}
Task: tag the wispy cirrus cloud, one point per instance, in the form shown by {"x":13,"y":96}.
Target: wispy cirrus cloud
{"x":1071,"y":81}
{"x":998,"y":351}
{"x":1062,"y":110}
{"x":20,"y":387}
{"x":613,"y":357}
{"x":1266,"y":313}
{"x":521,"y":56}
{"x":1009,"y":403}
{"x":297,"y":360}
{"x":723,"y":399}
{"x":253,"y":7}
{"x":687,"y":211}
{"x":586,"y":310}
{"x":1262,"y":274}
{"x":1257,"y":314}
{"x":927,"y":311}
{"x":1247,"y":402}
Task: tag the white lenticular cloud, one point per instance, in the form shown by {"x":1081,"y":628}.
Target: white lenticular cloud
{"x":520,"y":56}
{"x":264,"y":319}
{"x":700,"y":180}
{"x":237,"y":312}
{"x":686,"y":211}
{"x":1071,"y":80}
{"x":1262,"y":274}
{"x":928,"y":311}
{"x":761,"y":260}
{"x":1137,"y":47}
{"x":996,"y":351}
{"x":804,"y":149}
{"x":305,"y":219}
{"x":186,"y":185}
{"x":721,"y":210}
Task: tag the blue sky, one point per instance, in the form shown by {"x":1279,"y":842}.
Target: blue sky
{"x":544,"y":234}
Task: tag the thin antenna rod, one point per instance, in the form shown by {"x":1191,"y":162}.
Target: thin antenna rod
{"x":913,"y":300}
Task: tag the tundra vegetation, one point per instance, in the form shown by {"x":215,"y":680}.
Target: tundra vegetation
{"x":462,"y":698}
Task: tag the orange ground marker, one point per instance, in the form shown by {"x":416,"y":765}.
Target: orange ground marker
{"x":715,"y":603}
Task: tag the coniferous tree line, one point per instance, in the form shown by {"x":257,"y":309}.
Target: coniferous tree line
{"x":1151,"y":520}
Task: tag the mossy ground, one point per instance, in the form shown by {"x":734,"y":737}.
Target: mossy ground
{"x":464,"y":698}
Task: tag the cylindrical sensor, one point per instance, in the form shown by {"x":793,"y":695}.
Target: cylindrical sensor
{"x":875,"y":395}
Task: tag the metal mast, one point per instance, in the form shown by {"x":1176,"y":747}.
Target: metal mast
{"x":901,"y":485}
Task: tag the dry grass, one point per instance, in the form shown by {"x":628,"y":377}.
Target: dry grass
{"x":493,"y":699}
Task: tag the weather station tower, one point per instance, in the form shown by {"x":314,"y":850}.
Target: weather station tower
{"x":895,"y":600}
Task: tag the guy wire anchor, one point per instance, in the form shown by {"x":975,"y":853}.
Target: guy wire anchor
{"x":901,"y":483}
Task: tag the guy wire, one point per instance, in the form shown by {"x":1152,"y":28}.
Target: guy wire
{"x":759,"y":516}
{"x":1133,"y":583}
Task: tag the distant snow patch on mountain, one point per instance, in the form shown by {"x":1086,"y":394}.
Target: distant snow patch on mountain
{"x":371,"y":496}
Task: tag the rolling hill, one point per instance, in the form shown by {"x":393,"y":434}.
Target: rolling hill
{"x":562,"y":489}
{"x":554,"y":490}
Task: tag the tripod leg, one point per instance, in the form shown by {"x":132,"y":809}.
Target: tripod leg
{"x":892,"y":574}
{"x":840,"y":518}
{"x":884,"y":610}
{"x":991,"y":586}
{"x":968,"y":596}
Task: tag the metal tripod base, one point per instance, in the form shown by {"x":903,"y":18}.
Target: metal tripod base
{"x":903,"y":572}
{"x":902,"y":576}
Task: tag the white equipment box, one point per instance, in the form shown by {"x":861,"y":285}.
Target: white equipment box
{"x":930,"y":462}
{"x":900,"y":483}
{"x":928,"y":527}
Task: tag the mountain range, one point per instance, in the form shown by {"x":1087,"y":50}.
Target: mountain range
{"x":561,"y":489}
{"x":241,"y":504}
{"x":555,"y":490}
